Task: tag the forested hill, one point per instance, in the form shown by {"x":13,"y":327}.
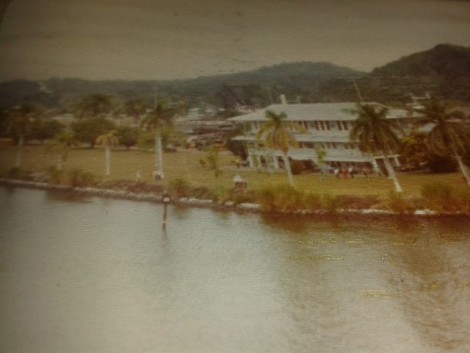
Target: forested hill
{"x":301,"y":79}
{"x":442,"y":61}
{"x":443,"y":71}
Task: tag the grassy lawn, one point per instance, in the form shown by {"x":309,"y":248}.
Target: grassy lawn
{"x":185,"y":164}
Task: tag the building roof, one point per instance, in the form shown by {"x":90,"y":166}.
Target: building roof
{"x":315,"y":111}
{"x":301,"y":138}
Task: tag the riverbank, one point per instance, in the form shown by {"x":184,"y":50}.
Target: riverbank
{"x":229,"y":205}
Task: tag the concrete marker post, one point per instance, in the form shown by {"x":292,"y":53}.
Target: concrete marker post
{"x":166,"y":199}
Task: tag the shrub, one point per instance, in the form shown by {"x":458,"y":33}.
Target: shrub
{"x":312,"y":202}
{"x":239,"y":198}
{"x":396,"y":203}
{"x":289,"y":199}
{"x":201,"y":192}
{"x":266,"y":198}
{"x":220,"y":194}
{"x":180,"y":187}
{"x":331,"y":203}
{"x":359,"y":202}
{"x":282,"y":198}
{"x":442,"y":164}
{"x":438,"y":196}
{"x":203,"y":161}
{"x":55,"y":175}
{"x":79,"y":177}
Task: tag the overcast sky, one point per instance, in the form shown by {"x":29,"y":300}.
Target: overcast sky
{"x":165,"y":39}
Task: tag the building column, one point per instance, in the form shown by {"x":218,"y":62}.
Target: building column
{"x":375,"y":166}
{"x":258,"y":161}
{"x":397,"y":162}
{"x":275,"y":162}
{"x":251,"y":161}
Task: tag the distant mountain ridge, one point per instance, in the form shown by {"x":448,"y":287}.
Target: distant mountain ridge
{"x":444,"y":60}
{"x":295,"y":78}
{"x":443,"y":71}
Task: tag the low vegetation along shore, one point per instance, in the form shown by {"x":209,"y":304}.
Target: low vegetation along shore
{"x":206,"y":179}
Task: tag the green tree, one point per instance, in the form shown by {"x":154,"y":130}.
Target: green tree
{"x":87,"y":130}
{"x":108,"y":139}
{"x":413,"y":152}
{"x":375,"y":133}
{"x":277,"y":134}
{"x":128,"y":136}
{"x":60,"y":146}
{"x":448,"y":134}
{"x":135,"y":108}
{"x":46,"y":129}
{"x":155,"y":121}
{"x":94,"y":106}
{"x":20,"y":121}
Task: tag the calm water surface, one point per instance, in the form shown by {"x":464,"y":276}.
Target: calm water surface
{"x":98,"y":275}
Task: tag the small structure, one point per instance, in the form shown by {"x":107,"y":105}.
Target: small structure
{"x":239,"y":182}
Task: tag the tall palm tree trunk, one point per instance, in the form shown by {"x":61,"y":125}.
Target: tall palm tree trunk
{"x":463,"y":168}
{"x":19,"y":151}
{"x":107,"y":155}
{"x":288,"y":169}
{"x":391,"y":172}
{"x":159,"y":153}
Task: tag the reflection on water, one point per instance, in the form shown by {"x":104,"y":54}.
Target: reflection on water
{"x":102,"y":275}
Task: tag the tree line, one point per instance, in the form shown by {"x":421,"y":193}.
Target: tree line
{"x":96,"y":122}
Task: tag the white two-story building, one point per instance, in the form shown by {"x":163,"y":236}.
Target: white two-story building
{"x":328,"y":126}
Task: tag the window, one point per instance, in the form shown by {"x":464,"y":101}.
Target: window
{"x":327,"y":123}
{"x":345,"y":125}
{"x":316,"y":125}
{"x":333,"y":145}
{"x":338,"y":124}
{"x":322,"y":126}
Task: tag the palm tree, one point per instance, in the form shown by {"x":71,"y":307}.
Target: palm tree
{"x":20,"y":122}
{"x":135,"y":108}
{"x":155,"y":121}
{"x":277,"y":134}
{"x":94,"y":106}
{"x":108,"y":139}
{"x":448,"y":135}
{"x":375,"y":133}
{"x":61,"y":145}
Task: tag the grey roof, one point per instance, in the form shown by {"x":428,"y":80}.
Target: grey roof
{"x":314,"y":111}
{"x":302,"y":138}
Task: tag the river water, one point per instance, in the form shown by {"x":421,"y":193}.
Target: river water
{"x":99,"y":275}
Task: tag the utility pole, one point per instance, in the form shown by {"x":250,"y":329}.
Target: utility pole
{"x":357,"y":91}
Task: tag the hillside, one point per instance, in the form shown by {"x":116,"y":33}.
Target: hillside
{"x":442,"y":61}
{"x":255,"y":87}
{"x":443,"y":71}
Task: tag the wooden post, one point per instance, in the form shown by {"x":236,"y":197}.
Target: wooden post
{"x":166,"y":200}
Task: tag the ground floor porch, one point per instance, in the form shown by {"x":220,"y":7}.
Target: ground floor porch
{"x":274,"y":160}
